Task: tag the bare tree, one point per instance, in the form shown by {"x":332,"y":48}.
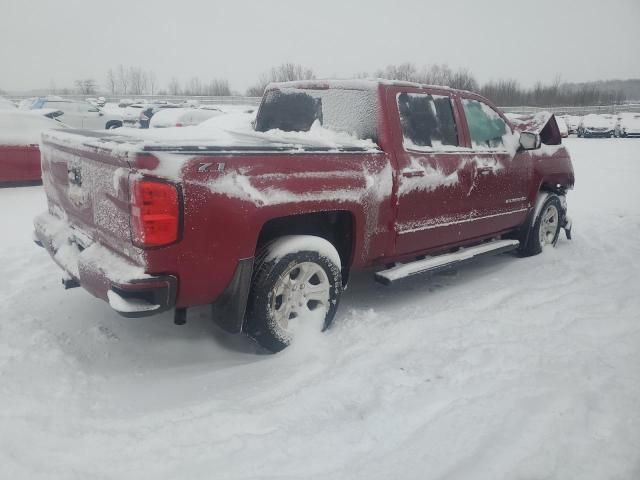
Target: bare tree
{"x":137,"y":80}
{"x":123,"y":79}
{"x":218,"y":87}
{"x":193,"y":87}
{"x":151,"y":78}
{"x":86,"y":86}
{"x":112,"y":82}
{"x":285,"y":72}
{"x":405,"y":72}
{"x":174,"y":86}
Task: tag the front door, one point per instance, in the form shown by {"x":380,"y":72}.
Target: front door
{"x":501,"y":175}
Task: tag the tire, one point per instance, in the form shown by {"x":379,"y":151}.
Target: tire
{"x":546,"y":227}
{"x":113,"y":124}
{"x":280,"y":302}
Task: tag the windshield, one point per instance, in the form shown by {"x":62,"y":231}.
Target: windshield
{"x":342,"y":110}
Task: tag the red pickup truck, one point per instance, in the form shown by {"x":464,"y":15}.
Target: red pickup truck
{"x":266,"y":221}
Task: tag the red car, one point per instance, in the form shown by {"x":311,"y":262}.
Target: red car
{"x":19,"y":152}
{"x":265,"y":222}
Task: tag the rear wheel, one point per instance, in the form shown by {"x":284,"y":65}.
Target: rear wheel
{"x":113,"y":124}
{"x":296,"y":286}
{"x":546,"y":227}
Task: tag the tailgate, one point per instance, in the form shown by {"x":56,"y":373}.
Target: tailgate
{"x":87,"y":186}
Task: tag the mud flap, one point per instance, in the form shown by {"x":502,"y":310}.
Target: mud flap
{"x":228,"y":310}
{"x":566,"y":225}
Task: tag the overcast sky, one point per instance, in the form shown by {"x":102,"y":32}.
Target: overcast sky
{"x":45,"y":41}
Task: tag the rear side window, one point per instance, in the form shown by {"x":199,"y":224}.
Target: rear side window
{"x":486,"y":127}
{"x":342,"y":110}
{"x":427,"y":121}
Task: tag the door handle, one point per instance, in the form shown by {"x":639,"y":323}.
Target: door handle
{"x":413,"y":172}
{"x":485,"y":170}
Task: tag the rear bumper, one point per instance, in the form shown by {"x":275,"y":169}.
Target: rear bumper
{"x":104,"y":273}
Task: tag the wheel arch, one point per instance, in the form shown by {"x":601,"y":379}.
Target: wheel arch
{"x":335,"y":226}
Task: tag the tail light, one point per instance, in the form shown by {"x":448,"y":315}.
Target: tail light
{"x":155,"y":213}
{"x":178,"y":124}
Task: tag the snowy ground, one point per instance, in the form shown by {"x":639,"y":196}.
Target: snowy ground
{"x":511,"y":369}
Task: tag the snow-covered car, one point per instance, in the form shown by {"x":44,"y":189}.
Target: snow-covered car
{"x":148,"y":113}
{"x":139,"y":114}
{"x":19,"y":144}
{"x":7,"y":104}
{"x":79,"y":114}
{"x":182,"y":117}
{"x":628,"y":125}
{"x":131,"y":114}
{"x":125,"y":102}
{"x":562,"y":126}
{"x":594,"y":125}
{"x":573,"y":122}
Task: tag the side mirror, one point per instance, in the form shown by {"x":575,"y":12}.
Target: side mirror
{"x":530,"y":141}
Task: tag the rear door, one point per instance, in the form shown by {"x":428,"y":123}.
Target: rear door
{"x":502,"y":175}
{"x":434,"y":176}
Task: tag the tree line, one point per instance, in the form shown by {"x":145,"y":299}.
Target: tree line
{"x":130,"y":80}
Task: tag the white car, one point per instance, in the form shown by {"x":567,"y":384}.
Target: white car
{"x":628,"y":124}
{"x":594,"y":125}
{"x":80,"y":114}
{"x":573,"y":122}
{"x":131,"y":114}
{"x":182,"y":117}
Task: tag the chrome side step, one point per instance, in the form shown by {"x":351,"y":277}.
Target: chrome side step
{"x":444,"y":261}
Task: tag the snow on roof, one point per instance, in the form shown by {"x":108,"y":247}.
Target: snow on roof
{"x":352,"y":84}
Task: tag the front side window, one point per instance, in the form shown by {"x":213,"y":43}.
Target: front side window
{"x":427,"y":121}
{"x":486,"y":127}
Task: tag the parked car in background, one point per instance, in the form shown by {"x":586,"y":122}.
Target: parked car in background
{"x":183,"y":117}
{"x":149,"y":113}
{"x":125,"y":102}
{"x":7,"y":104}
{"x":628,"y":125}
{"x":594,"y":125}
{"x":19,"y":139}
{"x":562,"y":126}
{"x":131,"y":114}
{"x":572,"y":122}
{"x":79,"y":114}
{"x":265,"y":220}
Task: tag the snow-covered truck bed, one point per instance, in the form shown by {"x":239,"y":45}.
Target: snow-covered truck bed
{"x":333,"y":176}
